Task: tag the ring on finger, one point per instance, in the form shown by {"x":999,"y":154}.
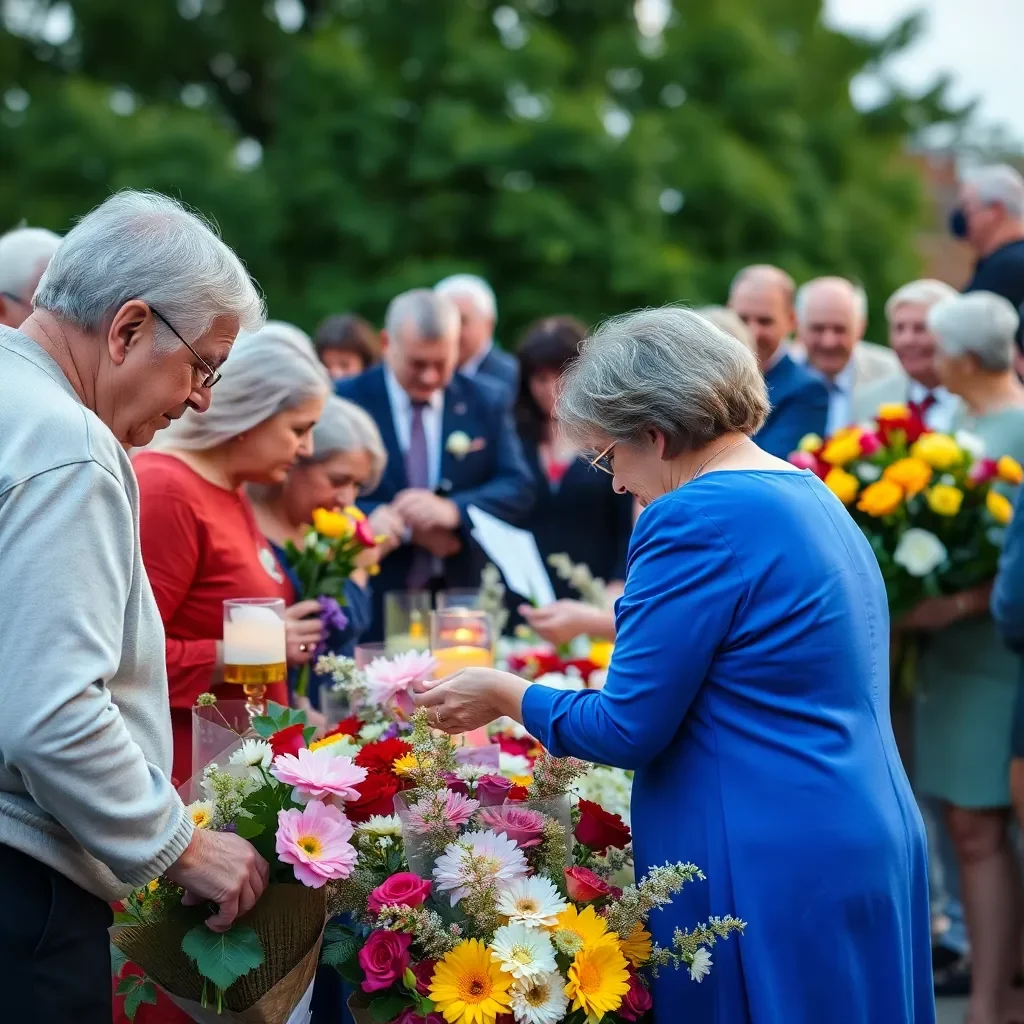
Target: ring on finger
{"x":303,"y":648}
{"x":437,"y":716}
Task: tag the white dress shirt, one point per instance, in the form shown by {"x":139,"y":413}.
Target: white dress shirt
{"x":433,"y":415}
{"x":943,"y":412}
{"x":471,"y":366}
{"x":840,"y":392}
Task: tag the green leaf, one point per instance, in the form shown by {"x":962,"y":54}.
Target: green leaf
{"x":351,"y":971}
{"x":249,"y":828}
{"x":388,"y":1006}
{"x":123,"y":917}
{"x":338,"y":952}
{"x":136,"y":989}
{"x":117,"y":961}
{"x":263,"y":726}
{"x":223,"y":958}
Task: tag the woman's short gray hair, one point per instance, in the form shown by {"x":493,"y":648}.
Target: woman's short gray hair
{"x":926,"y":292}
{"x":345,"y":427}
{"x":981,"y":324}
{"x":267,"y":372}
{"x":143,"y":245}
{"x":665,"y":369}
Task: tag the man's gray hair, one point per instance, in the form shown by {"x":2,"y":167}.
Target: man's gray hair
{"x":925,"y":292}
{"x":345,"y":427}
{"x":471,"y":287}
{"x":999,"y":183}
{"x":981,"y":324}
{"x":767,"y":272}
{"x":143,"y":245}
{"x":21,"y":252}
{"x":665,"y":369}
{"x":430,"y":314}
{"x":859,"y":296}
{"x":267,"y":372}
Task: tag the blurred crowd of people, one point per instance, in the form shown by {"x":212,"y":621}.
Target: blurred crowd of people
{"x":428,"y":416}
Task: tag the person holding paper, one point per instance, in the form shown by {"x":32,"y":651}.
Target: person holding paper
{"x":748,"y":690}
{"x":451,"y":443}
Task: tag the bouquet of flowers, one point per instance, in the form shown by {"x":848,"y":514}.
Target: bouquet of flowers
{"x":294,"y":799}
{"x":926,"y":501}
{"x":328,"y":557}
{"x":474,"y":902}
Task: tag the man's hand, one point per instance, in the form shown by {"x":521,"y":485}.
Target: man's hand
{"x":224,"y":869}
{"x":425,"y":511}
{"x":439,"y":542}
{"x":563,"y":621}
{"x":386,"y":521}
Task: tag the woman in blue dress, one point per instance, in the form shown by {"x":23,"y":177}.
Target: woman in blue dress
{"x":748,"y":690}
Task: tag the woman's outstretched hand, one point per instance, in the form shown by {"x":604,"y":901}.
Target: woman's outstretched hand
{"x":471,"y":698}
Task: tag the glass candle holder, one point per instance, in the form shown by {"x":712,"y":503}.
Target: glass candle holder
{"x":254,"y":647}
{"x":407,"y":620}
{"x":462,"y":638}
{"x":365,"y":653}
{"x":458,"y":597}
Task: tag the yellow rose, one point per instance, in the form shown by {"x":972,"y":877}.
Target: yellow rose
{"x":944,"y":500}
{"x":810,"y":443}
{"x":332,"y":524}
{"x":354,"y":513}
{"x":940,"y":451}
{"x":843,"y":448}
{"x":912,"y":475}
{"x":892,"y":411}
{"x":881,"y":498}
{"x":999,"y":507}
{"x":843,"y":485}
{"x":1010,"y":471}
{"x":601,"y":653}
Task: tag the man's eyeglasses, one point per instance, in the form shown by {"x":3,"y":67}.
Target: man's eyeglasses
{"x":211,"y":375}
{"x":603,"y":460}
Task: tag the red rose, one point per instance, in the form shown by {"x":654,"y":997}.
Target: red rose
{"x":982,"y":471}
{"x":364,"y":534}
{"x":424,"y":972}
{"x":492,"y":789}
{"x":404,"y":889}
{"x":518,"y":793}
{"x":346,"y":727}
{"x":288,"y":741}
{"x":384,"y":959}
{"x":380,"y":756}
{"x":584,"y":886}
{"x":376,"y":796}
{"x":636,"y":1002}
{"x":598,"y":829}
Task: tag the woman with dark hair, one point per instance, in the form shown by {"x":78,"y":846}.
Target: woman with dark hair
{"x":346,"y":345}
{"x":576,"y":512}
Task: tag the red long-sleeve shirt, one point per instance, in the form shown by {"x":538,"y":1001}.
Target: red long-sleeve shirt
{"x":200,"y":546}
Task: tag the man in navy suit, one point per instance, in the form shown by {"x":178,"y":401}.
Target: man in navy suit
{"x":762,"y":296}
{"x":451,"y":444}
{"x":478,"y":355}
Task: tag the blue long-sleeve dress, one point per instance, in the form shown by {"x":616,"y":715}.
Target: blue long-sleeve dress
{"x":749,"y":690}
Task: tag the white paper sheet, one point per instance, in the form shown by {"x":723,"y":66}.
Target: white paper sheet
{"x":515,"y":553}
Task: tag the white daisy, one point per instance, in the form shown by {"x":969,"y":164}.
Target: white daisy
{"x":533,"y":901}
{"x":201,"y":812}
{"x":513,"y":764}
{"x":522,"y":951}
{"x":478,"y":857}
{"x":700,"y":965}
{"x":382,"y":825}
{"x":471,"y":772}
{"x":540,"y":1000}
{"x":254,"y":755}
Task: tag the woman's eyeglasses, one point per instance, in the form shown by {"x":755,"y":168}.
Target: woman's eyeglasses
{"x":603,"y":460}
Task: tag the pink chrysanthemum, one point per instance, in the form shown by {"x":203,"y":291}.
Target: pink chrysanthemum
{"x":392,"y":679}
{"x":315,"y":841}
{"x":443,"y":809}
{"x":524,"y":827}
{"x":318,"y":775}
{"x":478,"y":857}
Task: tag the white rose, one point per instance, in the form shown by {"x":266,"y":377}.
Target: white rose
{"x":459,"y":444}
{"x":868,"y":472}
{"x":971,"y":443}
{"x":919,"y":552}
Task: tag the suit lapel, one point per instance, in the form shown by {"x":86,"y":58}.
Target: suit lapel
{"x":456,"y":418}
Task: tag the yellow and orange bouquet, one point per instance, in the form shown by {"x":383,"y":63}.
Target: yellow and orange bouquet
{"x":932,"y":505}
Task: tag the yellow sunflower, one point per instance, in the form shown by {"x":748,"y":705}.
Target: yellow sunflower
{"x":636,"y":946}
{"x":576,"y":931}
{"x":598,"y":979}
{"x":469,"y":986}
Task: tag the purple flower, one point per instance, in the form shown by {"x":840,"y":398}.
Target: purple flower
{"x":492,"y":789}
{"x":331,"y":617}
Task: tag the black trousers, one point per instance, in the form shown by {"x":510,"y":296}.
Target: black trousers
{"x":54,"y":946}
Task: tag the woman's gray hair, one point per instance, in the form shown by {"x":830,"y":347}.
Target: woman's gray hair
{"x":143,"y":245}
{"x":665,"y":369}
{"x":980,"y":324}
{"x":345,"y":427}
{"x":730,"y":322}
{"x":926,"y":292}
{"x":267,"y":372}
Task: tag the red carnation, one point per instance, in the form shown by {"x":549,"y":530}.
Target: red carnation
{"x":346,"y":727}
{"x":376,"y":796}
{"x":598,"y":829}
{"x":380,"y":756}
{"x":518,"y":793}
{"x":288,"y":741}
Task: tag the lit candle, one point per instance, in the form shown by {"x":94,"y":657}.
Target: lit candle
{"x":451,"y":659}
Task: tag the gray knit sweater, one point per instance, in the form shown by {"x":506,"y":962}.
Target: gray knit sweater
{"x":85,"y":732}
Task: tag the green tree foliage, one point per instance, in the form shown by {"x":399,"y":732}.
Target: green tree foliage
{"x":352,"y":148}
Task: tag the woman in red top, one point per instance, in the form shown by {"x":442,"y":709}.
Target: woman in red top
{"x":200,"y":542}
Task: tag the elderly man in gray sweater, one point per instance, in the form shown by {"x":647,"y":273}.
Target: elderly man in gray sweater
{"x":137,"y":309}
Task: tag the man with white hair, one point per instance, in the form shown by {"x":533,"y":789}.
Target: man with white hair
{"x":990,"y":218}
{"x":136,"y":311}
{"x":451,"y":444}
{"x":831,"y":314}
{"x":478,"y":354}
{"x":24,"y":253}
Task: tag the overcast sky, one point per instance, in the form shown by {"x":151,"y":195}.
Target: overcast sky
{"x":980,"y":42}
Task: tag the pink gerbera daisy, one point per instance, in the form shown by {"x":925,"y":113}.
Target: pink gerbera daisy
{"x":524,"y":827}
{"x":315,"y":841}
{"x":443,"y":809}
{"x":392,"y":679}
{"x":318,"y":775}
